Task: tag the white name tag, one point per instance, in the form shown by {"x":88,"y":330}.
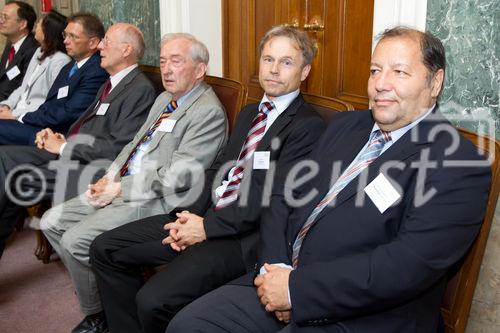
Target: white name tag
{"x":382,"y":193}
{"x":62,"y":92}
{"x":167,"y":125}
{"x":13,"y":72}
{"x":261,"y":160}
{"x":102,"y":109}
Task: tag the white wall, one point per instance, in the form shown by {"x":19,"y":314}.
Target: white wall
{"x":202,"y":18}
{"x":389,"y":13}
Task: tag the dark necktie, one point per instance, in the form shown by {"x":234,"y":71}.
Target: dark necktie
{"x":378,"y":139}
{"x":78,"y":124}
{"x":149,"y":134}
{"x":253,"y":138}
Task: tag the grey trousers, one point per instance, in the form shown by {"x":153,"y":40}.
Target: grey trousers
{"x":72,"y":226}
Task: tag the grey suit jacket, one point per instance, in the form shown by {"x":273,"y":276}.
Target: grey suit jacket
{"x":37,"y":86}
{"x":175,"y":160}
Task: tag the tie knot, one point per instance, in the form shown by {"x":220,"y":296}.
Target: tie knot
{"x":382,"y":136}
{"x":172,"y":106}
{"x":266,"y":107}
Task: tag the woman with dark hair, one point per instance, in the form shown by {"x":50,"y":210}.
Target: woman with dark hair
{"x":43,"y":69}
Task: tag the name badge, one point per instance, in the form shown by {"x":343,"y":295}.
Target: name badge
{"x":13,"y":72}
{"x":102,"y":109}
{"x":62,"y":92}
{"x":167,"y":125}
{"x":261,"y":160}
{"x":382,"y":193}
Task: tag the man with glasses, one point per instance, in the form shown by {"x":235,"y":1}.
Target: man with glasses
{"x":93,"y":141}
{"x":16,"y":22}
{"x":73,"y":90}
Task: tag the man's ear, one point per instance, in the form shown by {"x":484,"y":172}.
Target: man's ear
{"x":201,"y":70}
{"x":305,"y":72}
{"x":437,"y":83}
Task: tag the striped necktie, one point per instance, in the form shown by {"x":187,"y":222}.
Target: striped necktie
{"x":374,"y":148}
{"x":253,"y":138}
{"x":149,"y":134}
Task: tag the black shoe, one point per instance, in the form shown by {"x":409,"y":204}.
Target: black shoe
{"x":95,"y":323}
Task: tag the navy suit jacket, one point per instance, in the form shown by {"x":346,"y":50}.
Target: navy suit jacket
{"x":361,"y":270}
{"x":21,"y":59}
{"x":59,"y":114}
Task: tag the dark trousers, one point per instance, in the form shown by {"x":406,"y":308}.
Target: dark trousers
{"x":13,"y":132}
{"x":27,"y":178}
{"x":117,"y":257}
{"x":235,"y":308}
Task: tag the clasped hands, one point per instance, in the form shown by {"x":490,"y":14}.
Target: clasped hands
{"x":272,"y":290}
{"x":103,"y":192}
{"x":185,"y":231}
{"x":50,"y":141}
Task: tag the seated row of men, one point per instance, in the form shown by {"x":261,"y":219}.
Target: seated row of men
{"x":287,"y":225}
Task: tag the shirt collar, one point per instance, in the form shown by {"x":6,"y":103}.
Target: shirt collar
{"x":186,"y":95}
{"x":82,"y":62}
{"x":396,"y":134}
{"x":115,"y":79}
{"x":17,"y":45}
{"x":281,"y":103}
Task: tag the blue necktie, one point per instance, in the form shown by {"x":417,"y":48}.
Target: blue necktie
{"x":73,"y":70}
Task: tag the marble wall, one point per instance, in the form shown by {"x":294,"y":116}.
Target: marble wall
{"x":470,"y":33}
{"x":144,"y":14}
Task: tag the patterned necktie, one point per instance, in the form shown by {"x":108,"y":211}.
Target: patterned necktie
{"x":149,"y":134}
{"x":12,"y":52}
{"x":253,"y":138}
{"x":73,"y":70}
{"x":75,"y":128}
{"x":375,"y":146}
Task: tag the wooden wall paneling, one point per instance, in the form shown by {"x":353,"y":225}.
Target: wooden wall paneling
{"x":358,"y":22}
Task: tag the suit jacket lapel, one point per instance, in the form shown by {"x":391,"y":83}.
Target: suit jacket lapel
{"x":178,"y":113}
{"x":411,"y":143}
{"x":280,"y":123}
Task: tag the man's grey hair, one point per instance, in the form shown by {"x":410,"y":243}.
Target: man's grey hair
{"x":199,"y":52}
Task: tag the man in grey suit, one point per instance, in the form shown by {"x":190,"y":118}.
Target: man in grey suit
{"x":182,"y":136}
{"x":53,"y":169}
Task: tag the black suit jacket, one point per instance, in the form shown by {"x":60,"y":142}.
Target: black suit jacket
{"x":295,"y":132}
{"x":367,"y":271}
{"x":21,"y":59}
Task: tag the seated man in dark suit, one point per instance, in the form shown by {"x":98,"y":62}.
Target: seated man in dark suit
{"x":211,"y":243}
{"x":110,"y":122}
{"x":72,"y":91}
{"x":398,"y":198}
{"x":16,"y":23}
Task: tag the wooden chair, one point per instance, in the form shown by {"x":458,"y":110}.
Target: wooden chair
{"x":231,"y":93}
{"x":457,"y":301}
{"x":327,"y":106}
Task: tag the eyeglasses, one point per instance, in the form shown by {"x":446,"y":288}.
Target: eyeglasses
{"x":70,"y":35}
{"x":4,"y":17}
{"x":106,"y":41}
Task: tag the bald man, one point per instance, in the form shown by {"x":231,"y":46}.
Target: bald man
{"x":94,"y":140}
